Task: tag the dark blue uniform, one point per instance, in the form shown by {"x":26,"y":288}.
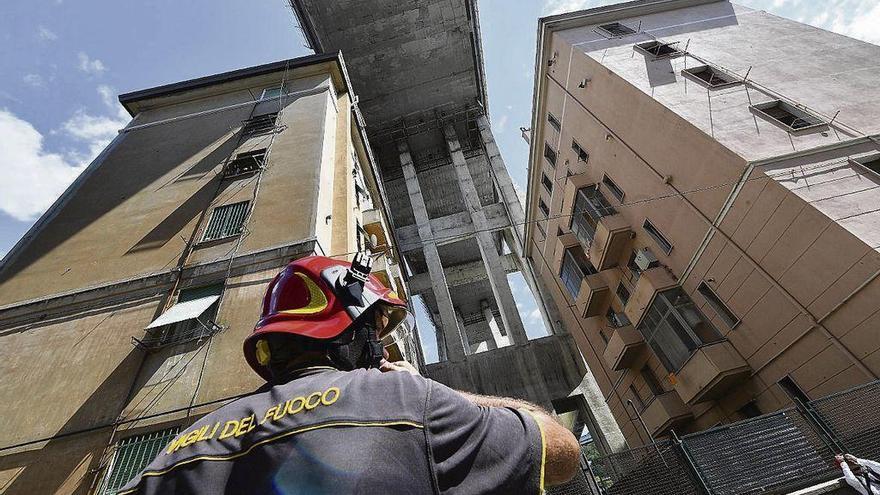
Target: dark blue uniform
{"x":328,"y":431}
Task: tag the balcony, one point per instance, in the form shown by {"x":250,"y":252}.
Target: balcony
{"x":710,"y":372}
{"x":650,"y":282}
{"x":666,"y":411}
{"x":609,"y":241}
{"x":373,"y":226}
{"x":623,"y":347}
{"x":593,"y":296}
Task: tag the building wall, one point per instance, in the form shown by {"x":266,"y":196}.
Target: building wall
{"x":774,"y":242}
{"x":74,"y":382}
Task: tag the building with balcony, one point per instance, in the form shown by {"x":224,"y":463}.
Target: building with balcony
{"x":704,"y":182}
{"x":124,"y":309}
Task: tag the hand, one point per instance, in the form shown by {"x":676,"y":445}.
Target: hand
{"x":838,"y":459}
{"x":850,"y":458}
{"x":386,"y":366}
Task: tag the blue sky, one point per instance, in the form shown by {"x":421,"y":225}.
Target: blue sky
{"x":65,"y":61}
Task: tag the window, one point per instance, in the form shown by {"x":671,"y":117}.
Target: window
{"x":617,"y":320}
{"x":589,"y":207}
{"x":616,"y":29}
{"x":245,"y":163}
{"x":675,"y":328}
{"x":554,"y":122}
{"x":132,"y":455}
{"x":710,"y":76}
{"x":574,"y":268}
{"x":261,"y":124}
{"x":580,"y":152}
{"x":871,"y":163}
{"x":612,"y":187}
{"x":658,"y":49}
{"x":718,"y":305}
{"x":550,"y":154}
{"x":271,"y":93}
{"x":793,"y":390}
{"x":226,"y":221}
{"x":658,"y":236}
{"x":788,"y":116}
{"x":543,"y":207}
{"x":541,"y":230}
{"x":603,"y":336}
{"x":622,"y":293}
{"x":649,"y":377}
{"x":750,"y":410}
{"x":548,"y":184}
{"x":636,"y":398}
{"x":190,"y":318}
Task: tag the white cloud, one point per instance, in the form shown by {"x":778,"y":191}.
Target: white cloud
{"x":860,"y":25}
{"x":96,"y":131}
{"x":552,"y":7}
{"x":34,"y":177}
{"x":502,"y":124}
{"x":46,"y":34}
{"x":34,"y":80}
{"x":90,"y":65}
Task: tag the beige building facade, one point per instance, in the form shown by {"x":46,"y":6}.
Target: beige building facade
{"x":703,"y":204}
{"x":123,"y":311}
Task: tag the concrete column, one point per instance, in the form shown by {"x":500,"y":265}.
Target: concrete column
{"x":517,"y":219}
{"x":497,"y":275}
{"x":448,"y":336}
{"x":502,"y":179}
{"x":465,"y":341}
{"x":500,"y":340}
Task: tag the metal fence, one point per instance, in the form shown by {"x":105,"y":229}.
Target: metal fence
{"x":775,"y":453}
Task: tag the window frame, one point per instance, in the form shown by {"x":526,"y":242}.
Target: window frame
{"x":604,"y":29}
{"x":547,"y":183}
{"x":554,"y":122}
{"x":166,"y":433}
{"x":590,"y":205}
{"x":279,"y":88}
{"x":617,"y":292}
{"x":548,"y":152}
{"x":613,"y":188}
{"x":544,"y":208}
{"x":792,"y":389}
{"x":654,"y":385}
{"x":718,"y":305}
{"x":214,"y":211}
{"x":762,"y":109}
{"x":582,"y":154}
{"x":643,"y":48}
{"x":259,"y":157}
{"x":728,"y":80}
{"x":864,"y":162}
{"x":573,"y":257}
{"x":666,"y":323}
{"x":658,"y":236}
{"x":259,"y":125}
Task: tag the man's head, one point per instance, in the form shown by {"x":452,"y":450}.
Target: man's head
{"x":324,"y":311}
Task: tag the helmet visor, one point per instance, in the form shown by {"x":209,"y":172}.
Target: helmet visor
{"x":392,"y":323}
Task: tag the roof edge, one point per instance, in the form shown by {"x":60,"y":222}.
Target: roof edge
{"x":616,"y":11}
{"x":128,"y":99}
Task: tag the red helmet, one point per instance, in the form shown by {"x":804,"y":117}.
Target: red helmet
{"x":326,"y":303}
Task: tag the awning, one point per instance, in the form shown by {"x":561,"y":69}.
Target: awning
{"x":183,"y":311}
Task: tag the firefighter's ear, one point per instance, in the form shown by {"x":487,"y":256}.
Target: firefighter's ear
{"x":263,"y":354}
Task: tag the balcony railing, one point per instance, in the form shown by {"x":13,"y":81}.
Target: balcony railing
{"x":712,"y":370}
{"x":589,"y":207}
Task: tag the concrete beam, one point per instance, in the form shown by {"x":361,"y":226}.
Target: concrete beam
{"x":497,"y":276}
{"x":462,"y":274}
{"x":449,"y":345}
{"x":453,"y":228}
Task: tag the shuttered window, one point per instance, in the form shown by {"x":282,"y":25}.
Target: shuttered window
{"x":132,"y":455}
{"x":226,"y":221}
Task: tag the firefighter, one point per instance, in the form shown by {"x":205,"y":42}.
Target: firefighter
{"x":337,"y":417}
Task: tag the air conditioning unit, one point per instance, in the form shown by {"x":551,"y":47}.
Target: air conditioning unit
{"x":645,"y":259}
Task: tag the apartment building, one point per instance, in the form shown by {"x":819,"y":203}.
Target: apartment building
{"x":703,"y":205}
{"x":123,"y":310}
